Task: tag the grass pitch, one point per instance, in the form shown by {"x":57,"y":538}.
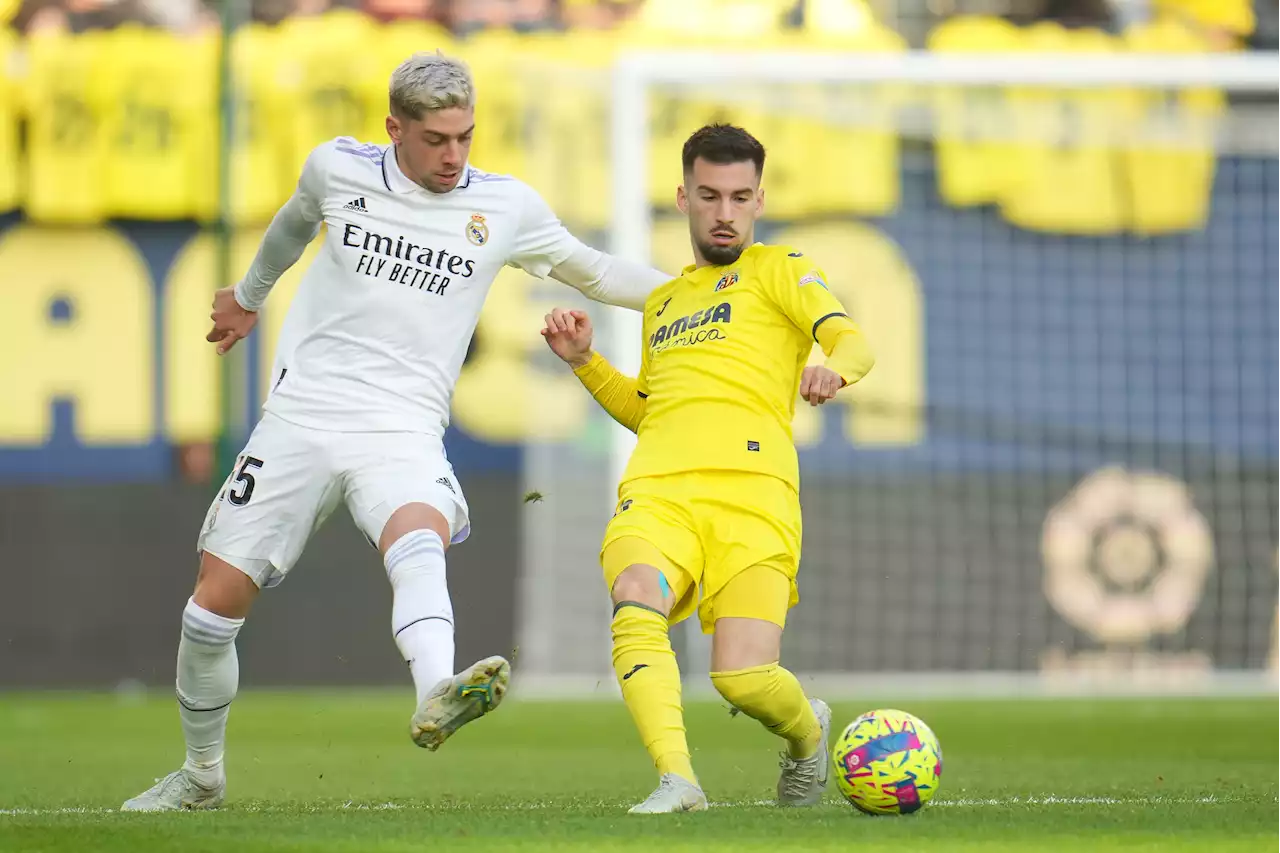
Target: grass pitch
{"x":335,"y":771}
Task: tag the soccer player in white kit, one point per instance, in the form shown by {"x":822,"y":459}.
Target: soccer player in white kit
{"x":369,"y":356}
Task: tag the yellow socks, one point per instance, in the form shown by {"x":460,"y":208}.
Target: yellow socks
{"x":650,"y":680}
{"x":773,"y":696}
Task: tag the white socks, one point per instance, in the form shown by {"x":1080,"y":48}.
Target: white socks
{"x":421,"y":613}
{"x":208,"y":675}
{"x":209,"y":672}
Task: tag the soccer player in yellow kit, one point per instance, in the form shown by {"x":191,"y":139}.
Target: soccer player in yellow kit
{"x":710,"y":499}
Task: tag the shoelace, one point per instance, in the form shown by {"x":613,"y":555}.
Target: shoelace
{"x":664,"y":784}
{"x":166,"y":784}
{"x":800,"y":775}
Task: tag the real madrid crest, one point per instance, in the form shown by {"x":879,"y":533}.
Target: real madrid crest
{"x":477,"y":231}
{"x":729,"y":279}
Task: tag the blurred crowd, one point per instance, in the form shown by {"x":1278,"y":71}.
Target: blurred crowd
{"x":1224,"y":24}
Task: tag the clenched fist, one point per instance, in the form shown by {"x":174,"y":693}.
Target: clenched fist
{"x":819,"y":384}
{"x":568,"y":333}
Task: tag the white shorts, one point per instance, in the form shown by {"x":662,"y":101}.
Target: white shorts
{"x":289,"y":478}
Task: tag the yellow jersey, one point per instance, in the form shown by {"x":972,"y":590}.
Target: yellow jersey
{"x":1170,"y":154}
{"x":260,"y":156}
{"x":974,"y":163}
{"x":502,"y":101}
{"x":853,"y":161}
{"x":10,"y":108}
{"x":1066,"y":176}
{"x":68,"y":96}
{"x":163,"y":111}
{"x":332,"y":72}
{"x":721,"y":362}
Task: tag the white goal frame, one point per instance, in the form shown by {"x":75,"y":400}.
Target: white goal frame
{"x":632,"y":223}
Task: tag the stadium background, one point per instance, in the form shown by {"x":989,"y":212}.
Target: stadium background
{"x":1066,"y":460}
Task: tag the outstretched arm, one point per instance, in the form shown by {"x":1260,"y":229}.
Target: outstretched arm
{"x":544,"y":247}
{"x":568,"y":333}
{"x":608,"y":278}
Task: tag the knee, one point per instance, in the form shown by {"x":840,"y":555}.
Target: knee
{"x":415,"y":555}
{"x":409,"y":519}
{"x":206,"y":628}
{"x":746,"y":688}
{"x":223,"y":589}
{"x":743,"y":688}
{"x":643,"y":585}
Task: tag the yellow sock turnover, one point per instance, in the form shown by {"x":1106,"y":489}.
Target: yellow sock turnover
{"x":650,"y":680}
{"x":773,"y":696}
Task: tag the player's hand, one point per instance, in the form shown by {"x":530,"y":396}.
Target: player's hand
{"x":230,"y":321}
{"x":819,"y":384}
{"x":568,"y":333}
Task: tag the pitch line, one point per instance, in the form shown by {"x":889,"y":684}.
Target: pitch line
{"x":961,"y":802}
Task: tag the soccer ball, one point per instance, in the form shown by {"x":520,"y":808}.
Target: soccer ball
{"x":888,"y":762}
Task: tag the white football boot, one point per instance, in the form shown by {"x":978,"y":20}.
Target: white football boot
{"x":456,"y":701}
{"x":804,"y":780}
{"x":673,"y":794}
{"x":176,"y":792}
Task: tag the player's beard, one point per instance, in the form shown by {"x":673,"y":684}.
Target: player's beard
{"x":720,"y":256}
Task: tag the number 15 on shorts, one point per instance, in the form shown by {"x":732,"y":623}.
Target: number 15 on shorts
{"x":240,"y":491}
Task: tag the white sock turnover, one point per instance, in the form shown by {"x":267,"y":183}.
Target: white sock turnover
{"x":208,"y":676}
{"x":421,"y":613}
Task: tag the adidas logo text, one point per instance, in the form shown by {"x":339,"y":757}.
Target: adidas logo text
{"x":357,"y":205}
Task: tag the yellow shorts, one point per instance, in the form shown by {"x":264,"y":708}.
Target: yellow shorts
{"x":703,"y":529}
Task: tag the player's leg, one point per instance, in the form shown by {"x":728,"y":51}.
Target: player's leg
{"x":750,"y":611}
{"x":413,"y":543}
{"x":750,"y":586}
{"x":649,"y":592}
{"x":404,"y":496}
{"x":207,"y":681}
{"x":422,"y":623}
{"x":270,"y":504}
{"x":645,"y":587}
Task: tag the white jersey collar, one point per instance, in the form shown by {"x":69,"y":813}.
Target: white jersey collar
{"x":398,"y":182}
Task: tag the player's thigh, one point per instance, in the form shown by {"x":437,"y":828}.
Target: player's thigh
{"x":752,"y":527}
{"x":280,"y":489}
{"x":749,"y":614}
{"x":384,"y":473}
{"x":650,"y":528}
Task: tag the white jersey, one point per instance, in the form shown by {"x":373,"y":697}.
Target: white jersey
{"x":382,"y":320}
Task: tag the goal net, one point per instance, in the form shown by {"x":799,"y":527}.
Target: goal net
{"x":1063,"y":468}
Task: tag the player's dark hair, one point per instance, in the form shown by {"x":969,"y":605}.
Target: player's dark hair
{"x":723,"y":144}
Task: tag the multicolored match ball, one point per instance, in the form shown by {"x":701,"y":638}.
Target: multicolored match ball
{"x":888,"y":762}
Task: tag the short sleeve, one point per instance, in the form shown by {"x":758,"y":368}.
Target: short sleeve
{"x":799,"y":289}
{"x":542,"y":242}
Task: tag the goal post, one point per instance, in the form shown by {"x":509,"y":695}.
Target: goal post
{"x":1115,"y":522}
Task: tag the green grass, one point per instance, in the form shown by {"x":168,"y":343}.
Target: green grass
{"x":336,"y":771}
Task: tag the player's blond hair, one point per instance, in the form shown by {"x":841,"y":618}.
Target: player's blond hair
{"x":427,"y":82}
